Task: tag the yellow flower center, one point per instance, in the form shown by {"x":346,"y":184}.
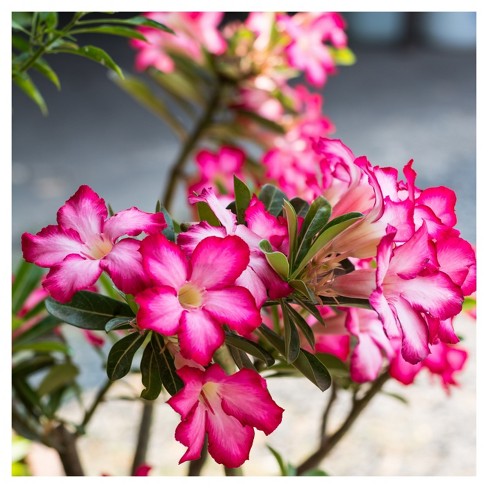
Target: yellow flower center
{"x":190,"y":296}
{"x":100,"y":247}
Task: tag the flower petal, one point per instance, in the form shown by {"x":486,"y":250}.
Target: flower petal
{"x":159,"y":310}
{"x":191,"y":433}
{"x":366,"y":360}
{"x":124,"y":265}
{"x":132,"y":222}
{"x":245,"y":396}
{"x":251,"y":281}
{"x":188,"y":240}
{"x":233,"y":306}
{"x":184,"y":401}
{"x":200,"y":336}
{"x":84,"y":212}
{"x":218,"y":262}
{"x":51,"y":245}
{"x":164,"y":261}
{"x":73,"y":274}
{"x":225,"y":216}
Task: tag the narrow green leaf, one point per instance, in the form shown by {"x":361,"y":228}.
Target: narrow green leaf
{"x":23,"y":81}
{"x":306,"y":363}
{"x":145,"y":96}
{"x":292,"y":223}
{"x":315,"y":472}
{"x":48,"y":346}
{"x":240,"y":358}
{"x":343,"y":56}
{"x":150,"y":374}
{"x":118,"y":323}
{"x":273,"y":199}
{"x":301,"y":323}
{"x":186,"y":92}
{"x":250,"y":347}
{"x":310,"y":307}
{"x":303,"y":289}
{"x":396,"y":396}
{"x":120,"y":357}
{"x":32,"y":365}
{"x":206,"y":214}
{"x":27,"y":279}
{"x":264,"y":122}
{"x":57,"y":377}
{"x":114,"y":30}
{"x":167,"y":370}
{"x":279,"y":459}
{"x":314,"y":222}
{"x":277,"y":260}
{"x":332,"y":230}
{"x":292,"y":339}
{"x":169,"y":230}
{"x":49,"y":19}
{"x":144,"y":21}
{"x":242,"y":197}
{"x":88,"y":310}
{"x":44,"y":68}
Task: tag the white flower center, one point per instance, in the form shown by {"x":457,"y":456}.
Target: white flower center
{"x":190,"y":296}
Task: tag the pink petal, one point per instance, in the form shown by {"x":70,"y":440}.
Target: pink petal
{"x":386,"y":314}
{"x":124,"y":265}
{"x":229,"y":442}
{"x":132,"y":222}
{"x":191,"y":433}
{"x":218,"y":262}
{"x":84,"y":212}
{"x":233,"y":306}
{"x":261,"y":222}
{"x":189,"y":239}
{"x":164,"y":261}
{"x":358,"y":284}
{"x":415,"y":334}
{"x":160,"y":310}
{"x":184,"y":401}
{"x":245,"y":396}
{"x":403,"y":371}
{"x":226,"y":217}
{"x":366,"y":360}
{"x":51,"y":245}
{"x":200,"y":336}
{"x":442,"y":201}
{"x":73,"y":274}
{"x":251,"y":281}
{"x":277,"y":288}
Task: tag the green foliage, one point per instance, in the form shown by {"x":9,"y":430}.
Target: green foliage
{"x":120,"y":357}
{"x":37,"y":34}
{"x":273,"y":199}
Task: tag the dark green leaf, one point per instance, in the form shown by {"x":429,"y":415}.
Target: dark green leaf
{"x":120,"y":357}
{"x":273,"y":199}
{"x":264,"y":122}
{"x":240,"y":358}
{"x":309,"y":306}
{"x":57,"y":377}
{"x":94,"y":54}
{"x":32,"y":365}
{"x":315,"y":472}
{"x":314,"y":222}
{"x":303,"y":289}
{"x":88,"y":310}
{"x":249,"y":347}
{"x":292,"y":339}
{"x":306,"y":363}
{"x":144,"y":21}
{"x":114,"y":30}
{"x":49,"y":19}
{"x":23,"y":81}
{"x":292,"y":224}
{"x":27,"y":279}
{"x":301,"y":323}
{"x":44,"y":68}
{"x":333,"y":363}
{"x":169,"y":230}
{"x":118,"y":323}
{"x":29,"y":398}
{"x":167,"y":371}
{"x":150,"y":374}
{"x":242,"y":198}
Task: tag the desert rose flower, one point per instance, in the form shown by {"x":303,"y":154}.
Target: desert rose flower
{"x":194,"y":298}
{"x":86,"y":242}
{"x":227,"y":409}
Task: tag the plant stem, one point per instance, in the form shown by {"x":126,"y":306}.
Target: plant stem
{"x":143,"y":436}
{"x":98,"y":399}
{"x":233,"y":471}
{"x":177,"y":169}
{"x":329,"y":442}
{"x":65,"y":445}
{"x":325,"y":416}
{"x":195,"y":467}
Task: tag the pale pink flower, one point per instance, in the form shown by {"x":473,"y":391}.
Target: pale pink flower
{"x":194,"y":298}
{"x":194,"y":31}
{"x":225,"y":408}
{"x":86,"y":242}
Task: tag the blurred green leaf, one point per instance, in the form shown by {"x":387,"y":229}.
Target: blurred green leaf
{"x":49,"y":20}
{"x":310,"y":307}
{"x":169,"y":230}
{"x":302,"y":324}
{"x":150,"y":374}
{"x":291,"y":337}
{"x":286,"y":469}
{"x":262,"y":121}
{"x":242,"y":198}
{"x":144,"y":21}
{"x":114,"y":30}
{"x":89,"y":310}
{"x":27,"y":279}
{"x":44,"y":68}
{"x":24,"y":82}
{"x":47,"y":346}
{"x":343,"y":56}
{"x":32,"y":365}
{"x":120,"y":357}
{"x":58,"y":376}
{"x":273,"y":199}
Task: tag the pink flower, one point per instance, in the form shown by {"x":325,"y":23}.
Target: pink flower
{"x":85,"y":242}
{"x":193,"y":31}
{"x":227,"y":409}
{"x":194,"y":298}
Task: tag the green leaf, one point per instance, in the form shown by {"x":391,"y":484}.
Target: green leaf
{"x":273,"y":199}
{"x":396,"y":396}
{"x":49,"y":19}
{"x":23,"y":81}
{"x":205,"y":213}
{"x":94,"y":54}
{"x":310,"y":307}
{"x":27,"y":279}
{"x":314,"y":222}
{"x":57,"y":377}
{"x":332,"y":230}
{"x":240,"y":358}
{"x":264,"y":122}
{"x":186,"y":92}
{"x":301,"y":323}
{"x":120,"y":357}
{"x":150,"y":374}
{"x":277,"y":260}
{"x":114,"y":30}
{"x":44,"y":68}
{"x":286,"y":469}
{"x":144,"y":95}
{"x":249,"y":347}
{"x":167,"y":371}
{"x":303,"y":289}
{"x":333,"y":363}
{"x":32,"y":365}
{"x":89,"y":310}
{"x":306,"y":363}
{"x":292,"y":223}
{"x":118,"y":323}
{"x":315,"y":472}
{"x":242,"y":198}
{"x":144,"y":21}
{"x":48,"y":346}
{"x":292,"y":339}
{"x":343,"y":56}
{"x":169,"y":230}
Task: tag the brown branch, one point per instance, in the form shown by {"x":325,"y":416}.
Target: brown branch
{"x":143,"y":436}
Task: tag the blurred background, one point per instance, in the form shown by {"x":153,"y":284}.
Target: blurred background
{"x":410,"y":95}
